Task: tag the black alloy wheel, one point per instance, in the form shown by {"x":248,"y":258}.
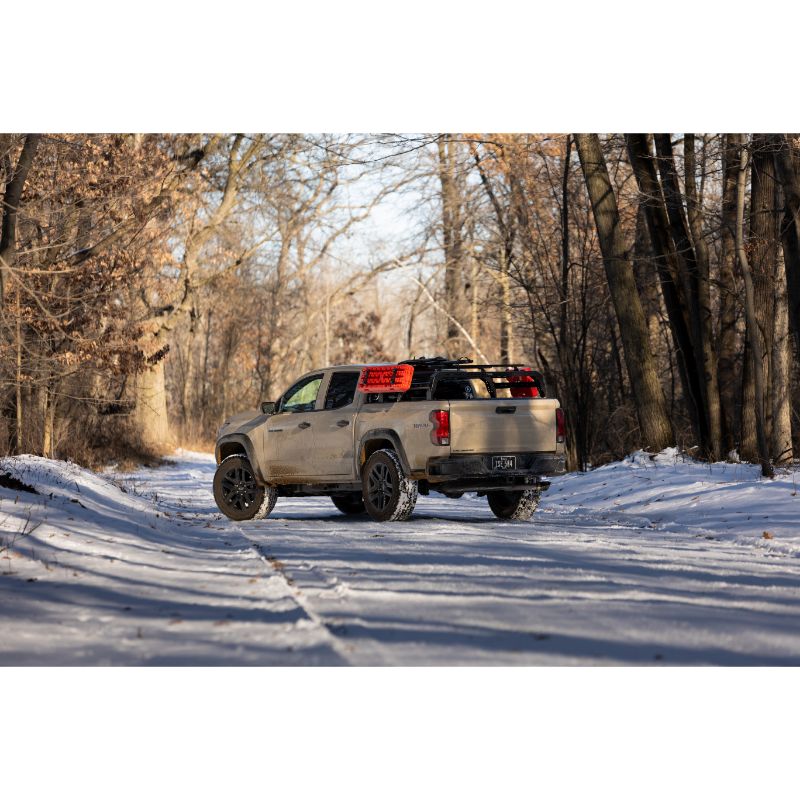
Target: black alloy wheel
{"x":239,"y":488}
{"x":389,"y":496}
{"x":236,"y":492}
{"x":379,"y":486}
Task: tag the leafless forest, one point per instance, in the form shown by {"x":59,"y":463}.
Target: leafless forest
{"x":152,"y":285}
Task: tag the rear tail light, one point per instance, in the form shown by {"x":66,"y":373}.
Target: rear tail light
{"x":561,"y":425}
{"x":441,"y":427}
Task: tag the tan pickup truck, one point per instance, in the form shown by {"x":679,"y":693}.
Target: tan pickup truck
{"x":373,"y":436}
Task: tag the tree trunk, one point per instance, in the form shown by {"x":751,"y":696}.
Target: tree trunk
{"x":47,"y":429}
{"x":765,"y":216}
{"x":781,"y":373}
{"x":726,"y":330}
{"x":47,"y":407}
{"x":191,"y":423}
{"x":669,"y":273}
{"x":753,"y":338}
{"x":453,"y":249}
{"x":150,"y":412}
{"x":786,"y":152}
{"x":704,"y":358}
{"x":648,"y":395}
{"x":474,"y":324}
{"x":646,"y":276}
{"x":505,"y":253}
{"x":567,"y":355}
{"x":748,"y":434}
{"x":205,"y":377}
{"x":15,"y":183}
{"x":18,"y":377}
{"x":694,"y":208}
{"x":506,"y":321}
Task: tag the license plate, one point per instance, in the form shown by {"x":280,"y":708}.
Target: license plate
{"x":504,"y":462}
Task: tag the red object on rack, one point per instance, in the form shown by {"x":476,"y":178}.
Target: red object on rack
{"x":391,"y":378}
{"x":526,"y":390}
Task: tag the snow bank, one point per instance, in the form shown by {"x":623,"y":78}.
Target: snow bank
{"x":671,"y":492}
{"x":65,"y":481}
{"x":92,"y":571}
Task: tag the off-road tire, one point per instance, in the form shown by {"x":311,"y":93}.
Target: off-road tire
{"x":389,"y":496}
{"x":516,"y":505}
{"x":236,"y":492}
{"x":350,"y":504}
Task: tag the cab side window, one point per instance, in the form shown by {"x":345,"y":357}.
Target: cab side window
{"x":341,"y":390}
{"x":303,"y":395}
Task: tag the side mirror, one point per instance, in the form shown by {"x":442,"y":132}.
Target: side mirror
{"x":268,"y":407}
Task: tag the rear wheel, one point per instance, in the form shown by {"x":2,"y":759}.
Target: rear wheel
{"x":389,"y":496}
{"x":349,"y":503}
{"x":236,"y":492}
{"x":518,"y":505}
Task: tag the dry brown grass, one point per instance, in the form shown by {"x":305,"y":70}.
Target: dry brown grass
{"x":201,"y":444}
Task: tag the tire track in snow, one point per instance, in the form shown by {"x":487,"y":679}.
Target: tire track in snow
{"x":326,"y":629}
{"x":184,"y":505}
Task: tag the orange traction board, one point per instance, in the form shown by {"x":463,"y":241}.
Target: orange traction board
{"x":389,"y":378}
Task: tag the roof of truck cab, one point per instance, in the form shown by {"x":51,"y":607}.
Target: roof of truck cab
{"x":343,"y":367}
{"x":359,"y":366}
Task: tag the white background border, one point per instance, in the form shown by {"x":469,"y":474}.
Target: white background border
{"x":410,"y":66}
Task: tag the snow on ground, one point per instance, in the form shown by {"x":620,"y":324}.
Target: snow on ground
{"x":646,"y":561}
{"x":671,"y":492}
{"x":92,"y":573}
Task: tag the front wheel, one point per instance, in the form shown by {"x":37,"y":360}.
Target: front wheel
{"x":236,"y":492}
{"x":389,"y":496}
{"x":518,"y":505}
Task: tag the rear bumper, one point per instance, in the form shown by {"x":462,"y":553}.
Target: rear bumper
{"x":477,"y":473}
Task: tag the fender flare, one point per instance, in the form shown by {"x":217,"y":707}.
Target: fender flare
{"x":382,"y":433}
{"x":244,"y":441}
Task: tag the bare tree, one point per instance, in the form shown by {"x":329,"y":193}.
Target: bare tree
{"x":786,"y":152}
{"x":670,"y":276}
{"x":15,"y":177}
{"x":726,"y":328}
{"x":650,"y":403}
{"x":754,"y":340}
{"x":452,"y":238}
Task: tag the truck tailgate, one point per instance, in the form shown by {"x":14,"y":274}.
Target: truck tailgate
{"x":491,"y":426}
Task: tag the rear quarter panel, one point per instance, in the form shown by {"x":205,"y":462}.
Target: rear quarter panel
{"x":411,"y":422}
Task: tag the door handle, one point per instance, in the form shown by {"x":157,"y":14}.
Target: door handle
{"x":304,"y":425}
{"x":342,"y":423}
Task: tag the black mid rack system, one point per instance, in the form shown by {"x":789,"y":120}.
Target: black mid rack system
{"x":431,"y":373}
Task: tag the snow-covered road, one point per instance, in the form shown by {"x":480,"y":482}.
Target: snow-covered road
{"x":155,"y":575}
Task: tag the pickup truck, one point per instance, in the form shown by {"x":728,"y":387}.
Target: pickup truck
{"x":373,"y":436}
